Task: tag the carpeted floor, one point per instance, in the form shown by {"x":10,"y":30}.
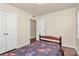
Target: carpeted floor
{"x":67,"y":52}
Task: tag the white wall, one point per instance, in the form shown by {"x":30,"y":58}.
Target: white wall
{"x":58,"y":23}
{"x":77,"y":41}
{"x":23,"y":25}
{"x":62,"y":23}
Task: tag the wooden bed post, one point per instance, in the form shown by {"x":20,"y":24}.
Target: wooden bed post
{"x":60,"y":41}
{"x":39,"y":36}
{"x":53,"y":38}
{"x":61,"y":46}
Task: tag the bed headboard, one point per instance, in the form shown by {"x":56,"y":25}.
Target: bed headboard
{"x":51,"y":39}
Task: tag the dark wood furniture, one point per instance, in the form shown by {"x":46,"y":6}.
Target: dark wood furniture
{"x":32,"y":40}
{"x":59,"y":40}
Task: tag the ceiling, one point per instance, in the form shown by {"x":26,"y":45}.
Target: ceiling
{"x":38,"y":9}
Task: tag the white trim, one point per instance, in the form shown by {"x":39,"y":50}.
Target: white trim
{"x":22,"y":45}
{"x":33,"y":37}
{"x":77,"y":51}
{"x":68,"y":46}
{"x":72,"y":47}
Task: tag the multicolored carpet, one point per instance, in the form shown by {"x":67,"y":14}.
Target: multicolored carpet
{"x":38,"y":48}
{"x":22,"y":51}
{"x":67,"y":52}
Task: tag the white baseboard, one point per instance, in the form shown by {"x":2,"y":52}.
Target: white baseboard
{"x":38,"y":40}
{"x":68,"y":46}
{"x":23,"y":45}
{"x":72,"y":47}
{"x":77,"y":51}
{"x":33,"y":37}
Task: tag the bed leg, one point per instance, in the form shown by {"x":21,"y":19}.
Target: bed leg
{"x":61,"y":46}
{"x":62,"y":52}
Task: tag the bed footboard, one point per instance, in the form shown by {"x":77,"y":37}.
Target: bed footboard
{"x":52,"y":39}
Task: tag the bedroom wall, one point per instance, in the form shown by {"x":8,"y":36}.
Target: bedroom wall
{"x":77,"y":41}
{"x":62,"y":23}
{"x":23,"y":24}
{"x":58,"y":23}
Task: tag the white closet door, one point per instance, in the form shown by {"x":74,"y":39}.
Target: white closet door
{"x":11,"y":31}
{"x":78,"y":24}
{"x":40,"y":26}
{"x":2,"y":32}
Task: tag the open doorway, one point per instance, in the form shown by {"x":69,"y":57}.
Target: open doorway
{"x":32,"y":30}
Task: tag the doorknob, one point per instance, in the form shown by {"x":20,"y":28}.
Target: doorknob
{"x":5,"y":33}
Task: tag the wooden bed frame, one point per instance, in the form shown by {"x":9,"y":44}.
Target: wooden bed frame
{"x":42,"y":38}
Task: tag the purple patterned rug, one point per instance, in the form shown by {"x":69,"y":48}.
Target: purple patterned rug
{"x":38,"y":48}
